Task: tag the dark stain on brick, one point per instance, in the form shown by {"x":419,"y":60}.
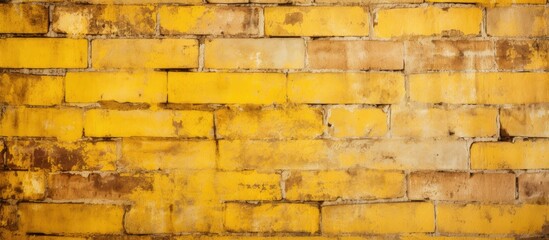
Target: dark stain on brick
{"x":503,"y":132}
{"x":67,"y":159}
{"x":123,"y":106}
{"x":251,"y":20}
{"x":40,"y":159}
{"x":293,"y":18}
{"x":294,"y":180}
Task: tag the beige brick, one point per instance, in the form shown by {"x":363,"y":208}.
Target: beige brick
{"x":283,"y":123}
{"x":22,"y":185}
{"x":534,"y":187}
{"x":492,"y":3}
{"x":528,"y":121}
{"x":353,"y":184}
{"x":355,"y":55}
{"x":378,"y":218}
{"x":19,"y":89}
{"x":23,"y":18}
{"x":513,"y":21}
{"x":507,"y":155}
{"x":355,"y":122}
{"x":372,"y":88}
{"x":275,"y":217}
{"x":522,"y":54}
{"x":365,"y":1}
{"x":53,"y":52}
{"x":436,"y":122}
{"x":462,"y":186}
{"x":265,"y":53}
{"x":122,"y":20}
{"x":327,"y":154}
{"x":458,"y":55}
{"x":209,"y":20}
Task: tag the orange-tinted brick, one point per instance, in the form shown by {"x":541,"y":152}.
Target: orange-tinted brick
{"x":23,"y":18}
{"x":22,"y":185}
{"x":522,"y":54}
{"x":534,"y":187}
{"x":527,"y":121}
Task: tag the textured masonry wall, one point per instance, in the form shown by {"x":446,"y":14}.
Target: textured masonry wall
{"x":274,"y":119}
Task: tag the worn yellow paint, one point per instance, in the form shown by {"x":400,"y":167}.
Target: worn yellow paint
{"x":53,"y":52}
{"x":379,"y":218}
{"x":492,"y":219}
{"x":506,"y":155}
{"x":23,"y":18}
{"x":194,"y":237}
{"x":492,"y":3}
{"x":374,"y":88}
{"x":316,"y":21}
{"x":530,"y":121}
{"x":427,"y":21}
{"x":19,"y":89}
{"x":247,"y":185}
{"x":243,"y":88}
{"x":301,"y":122}
{"x":135,"y":123}
{"x":354,"y":122}
{"x":22,"y":185}
{"x":275,"y":217}
{"x":429,"y":237}
{"x":136,"y":86}
{"x":71,"y":218}
{"x":524,"y":21}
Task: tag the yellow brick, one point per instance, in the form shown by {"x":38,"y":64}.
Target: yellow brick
{"x":139,"y":86}
{"x":209,"y":20}
{"x":325,"y":154}
{"x":492,"y":219}
{"x":480,"y":88}
{"x":23,"y":18}
{"x":427,"y":21}
{"x":506,"y":155}
{"x":371,"y":88}
{"x":492,"y":3}
{"x":331,"y":185}
{"x":77,"y":20}
{"x":148,"y":123}
{"x":145,"y":53}
{"x":53,"y":52}
{"x":265,"y":53}
{"x":55,"y":238}
{"x":436,"y":122}
{"x":71,"y":218}
{"x":316,"y":21}
{"x":528,"y":21}
{"x":428,"y":237}
{"x":525,"y":54}
{"x":240,"y":88}
{"x":379,"y":218}
{"x":528,"y":121}
{"x":111,"y":2}
{"x":63,"y":123}
{"x":357,"y":122}
{"x":365,"y":1}
{"x":276,"y":217}
{"x":233,"y":237}
{"x":19,"y":89}
{"x":299,"y":122}
{"x":247,"y":185}
{"x":167,"y":155}
{"x":22,"y":185}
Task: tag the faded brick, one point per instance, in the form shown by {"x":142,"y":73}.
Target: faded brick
{"x":527,"y":21}
{"x":534,"y":187}
{"x":527,"y":121}
{"x":522,"y":54}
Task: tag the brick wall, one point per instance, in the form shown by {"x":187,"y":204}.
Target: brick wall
{"x":274,"y":119}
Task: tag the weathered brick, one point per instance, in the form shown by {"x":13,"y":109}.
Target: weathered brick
{"x":492,"y":3}
{"x":124,"y":20}
{"x":534,"y":187}
{"x":480,"y":88}
{"x":275,"y":217}
{"x":419,"y":236}
{"x":280,"y":1}
{"x":372,"y":88}
{"x":506,"y":155}
{"x":427,"y":21}
{"x":140,"y":86}
{"x":365,"y":1}
{"x":127,"y":237}
{"x":458,"y":55}
{"x":356,"y":122}
{"x":353,"y":184}
{"x":166,"y":155}
{"x":527,"y":21}
{"x":522,"y":54}
{"x":247,"y":185}
{"x":22,"y":185}
{"x":8,"y":216}
{"x":53,"y":52}
{"x":282,"y":123}
{"x":326,"y":154}
{"x":265,"y":53}
{"x":378,"y":218}
{"x":239,"y":88}
{"x":95,"y":186}
{"x":70,"y":218}
{"x":492,"y":219}
{"x":121,"y":2}
{"x":528,"y":121}
{"x":63,"y":123}
{"x":145,"y":53}
{"x":355,"y":55}
{"x":209,"y":20}
{"x":462,"y":186}
{"x":436,"y":122}
{"x":305,"y":21}
{"x":148,"y":123}
{"x":234,"y":237}
{"x":19,"y":89}
{"x":56,"y":156}
{"x":23,"y":18}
